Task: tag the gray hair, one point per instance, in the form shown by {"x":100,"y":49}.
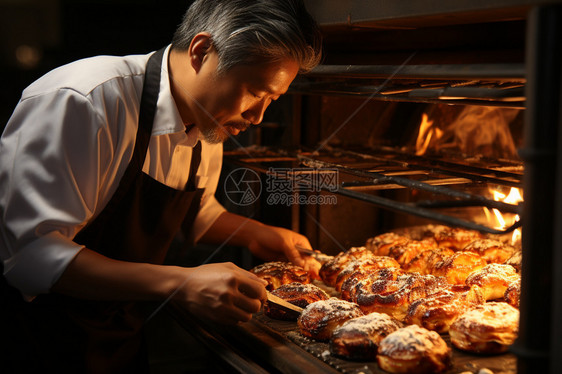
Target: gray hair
{"x":253,"y":31}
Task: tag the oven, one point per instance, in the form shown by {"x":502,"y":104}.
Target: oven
{"x":421,"y":113}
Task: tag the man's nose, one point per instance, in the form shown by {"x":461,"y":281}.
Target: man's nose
{"x":255,"y":113}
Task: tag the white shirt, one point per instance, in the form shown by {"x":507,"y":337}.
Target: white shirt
{"x":64,"y":151}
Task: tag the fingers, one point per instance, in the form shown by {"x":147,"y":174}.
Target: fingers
{"x":248,"y":294}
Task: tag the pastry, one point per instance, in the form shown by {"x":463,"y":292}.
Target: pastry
{"x":413,"y":349}
{"x":277,"y":273}
{"x":455,"y":238}
{"x":330,"y":269}
{"x":512,"y":293}
{"x":491,"y":250}
{"x":380,"y":244}
{"x":405,"y":252}
{"x":425,"y":262}
{"x":358,"y":338}
{"x":365,"y":264}
{"x":493,"y":279}
{"x":298,"y":294}
{"x":488,"y":328}
{"x":515,"y":260}
{"x":457,"y":267}
{"x":318,"y":320}
{"x":390,"y":291}
{"x":437,"y":311}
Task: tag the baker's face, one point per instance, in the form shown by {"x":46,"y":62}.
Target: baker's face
{"x":230,"y":102}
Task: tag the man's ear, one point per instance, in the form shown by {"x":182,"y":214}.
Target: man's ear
{"x":198,"y":49}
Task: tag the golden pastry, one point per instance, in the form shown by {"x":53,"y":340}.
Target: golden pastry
{"x":488,"y":328}
{"x":493,"y":279}
{"x":358,"y":338}
{"x":277,"y":273}
{"x":318,"y":320}
{"x":414,"y":349}
{"x":298,"y":294}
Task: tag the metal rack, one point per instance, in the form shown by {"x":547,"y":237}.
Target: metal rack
{"x":360,"y":173}
{"x":499,"y":85}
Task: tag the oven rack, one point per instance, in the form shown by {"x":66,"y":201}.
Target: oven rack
{"x":360,"y":173}
{"x":500,"y":85}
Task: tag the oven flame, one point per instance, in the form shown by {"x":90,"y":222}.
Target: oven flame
{"x":472,"y":131}
{"x":502,"y":221}
{"x":426,"y":134}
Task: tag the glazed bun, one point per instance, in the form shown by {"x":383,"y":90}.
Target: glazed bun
{"x":414,"y":349}
{"x":298,"y":294}
{"x":358,"y":338}
{"x":278,"y":273}
{"x":455,"y":238}
{"x":513,"y":293}
{"x":381,"y":244}
{"x":391,"y":291}
{"x":457,"y":267}
{"x":491,"y":250}
{"x":319,"y":320}
{"x":493,"y":279}
{"x":488,"y":328}
{"x":437,"y":311}
{"x":330,"y":270}
{"x":425,"y":262}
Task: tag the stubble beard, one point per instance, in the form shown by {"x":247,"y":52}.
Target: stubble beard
{"x":214,"y":135}
{"x":219,"y":134}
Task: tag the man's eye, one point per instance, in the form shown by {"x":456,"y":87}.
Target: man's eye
{"x":257,"y":96}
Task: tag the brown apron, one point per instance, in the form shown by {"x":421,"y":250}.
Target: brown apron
{"x":64,"y":334}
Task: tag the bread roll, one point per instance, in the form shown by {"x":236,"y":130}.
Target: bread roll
{"x":298,"y":294}
{"x":424,"y":262}
{"x":358,"y":338}
{"x":390,"y":291}
{"x":493,"y":279}
{"x":414,"y":349}
{"x":318,"y":320}
{"x":488,"y":328}
{"x":380,"y":244}
{"x":491,"y":250}
{"x":455,"y":238}
{"x":277,"y":273}
{"x":437,"y":312}
{"x":330,"y":270}
{"x":457,"y":267}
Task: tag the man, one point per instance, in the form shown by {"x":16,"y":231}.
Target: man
{"x":104,"y":159}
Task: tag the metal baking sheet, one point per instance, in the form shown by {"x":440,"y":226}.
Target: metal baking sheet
{"x":462,"y":362}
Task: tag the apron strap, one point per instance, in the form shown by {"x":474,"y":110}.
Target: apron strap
{"x":149,"y":98}
{"x":194,"y":166}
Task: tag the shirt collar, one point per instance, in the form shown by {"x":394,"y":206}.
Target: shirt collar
{"x":167,"y":119}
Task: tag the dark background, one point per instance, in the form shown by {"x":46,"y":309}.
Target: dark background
{"x":39,"y":35}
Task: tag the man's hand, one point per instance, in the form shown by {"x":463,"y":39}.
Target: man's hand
{"x":222,"y":293}
{"x":269,"y":243}
{"x":276,"y":243}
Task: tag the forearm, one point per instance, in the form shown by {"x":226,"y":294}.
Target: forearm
{"x":267,"y":242}
{"x":91,"y":275}
{"x":232,"y":229}
{"x":220,"y":292}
